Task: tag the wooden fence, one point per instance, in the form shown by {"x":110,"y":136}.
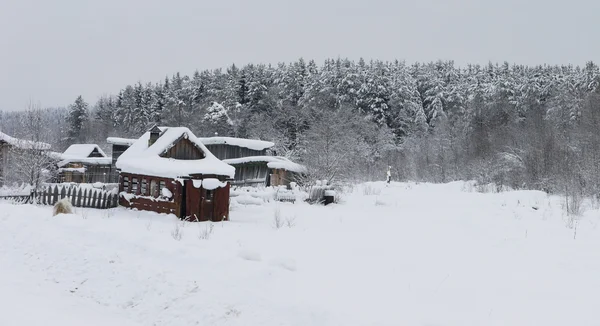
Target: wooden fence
{"x":79,"y":197}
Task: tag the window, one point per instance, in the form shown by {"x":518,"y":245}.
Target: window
{"x":144,"y":187}
{"x":210,"y":194}
{"x":153,"y":188}
{"x":134,"y":185}
{"x":126,"y":184}
{"x":161,"y":187}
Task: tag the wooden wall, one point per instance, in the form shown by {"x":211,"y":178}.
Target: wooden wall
{"x":252,"y":173}
{"x":93,"y":173}
{"x":224,"y":151}
{"x":193,"y":206}
{"x":184,"y":149}
{"x":168,"y":207}
{"x":200,"y":208}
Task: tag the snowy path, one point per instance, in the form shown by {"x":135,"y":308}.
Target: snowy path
{"x":403,"y":255}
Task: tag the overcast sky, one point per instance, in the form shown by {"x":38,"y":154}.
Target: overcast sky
{"x":53,"y":51}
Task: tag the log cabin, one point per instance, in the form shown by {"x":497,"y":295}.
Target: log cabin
{"x":169,"y":170}
{"x":84,"y":163}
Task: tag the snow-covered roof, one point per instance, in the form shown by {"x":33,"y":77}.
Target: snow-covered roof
{"x":143,"y":159}
{"x":254,"y":144}
{"x":120,"y":141}
{"x":23,"y":144}
{"x":273,"y":162}
{"x":79,"y":153}
{"x":82,"y":150}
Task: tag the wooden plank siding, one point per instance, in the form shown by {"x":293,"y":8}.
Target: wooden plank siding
{"x":169,"y":207}
{"x":188,"y":202}
{"x":251,"y":173}
{"x":184,"y":149}
{"x":225,"y":151}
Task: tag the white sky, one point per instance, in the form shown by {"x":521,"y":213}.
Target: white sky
{"x":52,"y":51}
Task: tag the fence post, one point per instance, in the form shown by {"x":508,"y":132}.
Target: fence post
{"x":104,"y":204}
{"x":99,"y":202}
{"x":55,"y":195}
{"x":73,"y":192}
{"x":84,"y":199}
{"x":79,"y":198}
{"x":63,"y":193}
{"x":93,"y":204}
{"x":115,"y":201}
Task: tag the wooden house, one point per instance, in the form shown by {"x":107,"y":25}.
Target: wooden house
{"x":169,"y":170}
{"x":84,"y":163}
{"x":14,"y":150}
{"x":253,"y":165}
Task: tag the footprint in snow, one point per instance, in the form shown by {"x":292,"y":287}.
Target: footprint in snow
{"x":249,"y":255}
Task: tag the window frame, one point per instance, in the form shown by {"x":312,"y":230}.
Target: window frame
{"x":134,"y":185}
{"x":126,"y":183}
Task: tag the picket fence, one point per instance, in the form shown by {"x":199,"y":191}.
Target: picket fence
{"x":86,"y":197}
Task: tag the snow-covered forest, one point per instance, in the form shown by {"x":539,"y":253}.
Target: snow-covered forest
{"x":525,"y":127}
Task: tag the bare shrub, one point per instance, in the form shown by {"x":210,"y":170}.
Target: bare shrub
{"x":573,"y":204}
{"x":205,"y":231}
{"x":369,"y":190}
{"x":290,"y":222}
{"x":177,"y":232}
{"x":277,"y":220}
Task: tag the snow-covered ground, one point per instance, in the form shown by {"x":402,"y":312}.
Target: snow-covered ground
{"x":405,"y":254}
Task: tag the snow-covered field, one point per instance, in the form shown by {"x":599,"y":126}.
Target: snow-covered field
{"x":400,"y":255}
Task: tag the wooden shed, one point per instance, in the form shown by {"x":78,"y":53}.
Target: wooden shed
{"x":169,"y":170}
{"x":264,"y":171}
{"x":84,"y":163}
{"x":253,"y":165}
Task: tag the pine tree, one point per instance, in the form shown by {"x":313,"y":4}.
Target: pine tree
{"x":78,"y":117}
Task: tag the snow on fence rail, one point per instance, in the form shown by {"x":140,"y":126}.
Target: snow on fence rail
{"x":79,"y":197}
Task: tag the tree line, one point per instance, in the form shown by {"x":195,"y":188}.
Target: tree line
{"x":522,"y":126}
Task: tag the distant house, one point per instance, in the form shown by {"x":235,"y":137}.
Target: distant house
{"x":84,"y":163}
{"x":119,"y":146}
{"x":169,"y":170}
{"x":253,"y":165}
{"x":15,"y":152}
{"x":230,"y":147}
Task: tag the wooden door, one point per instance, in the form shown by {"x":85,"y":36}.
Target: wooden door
{"x":208,"y":207}
{"x":193,"y":200}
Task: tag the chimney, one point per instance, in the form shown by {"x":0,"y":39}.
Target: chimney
{"x":154,"y":134}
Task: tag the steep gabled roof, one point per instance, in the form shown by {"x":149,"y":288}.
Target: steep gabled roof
{"x":146,"y":160}
{"x":80,"y":153}
{"x":254,"y":144}
{"x":23,"y":144}
{"x":82,"y":150}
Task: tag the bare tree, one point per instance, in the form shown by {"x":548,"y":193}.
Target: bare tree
{"x":30,"y":162}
